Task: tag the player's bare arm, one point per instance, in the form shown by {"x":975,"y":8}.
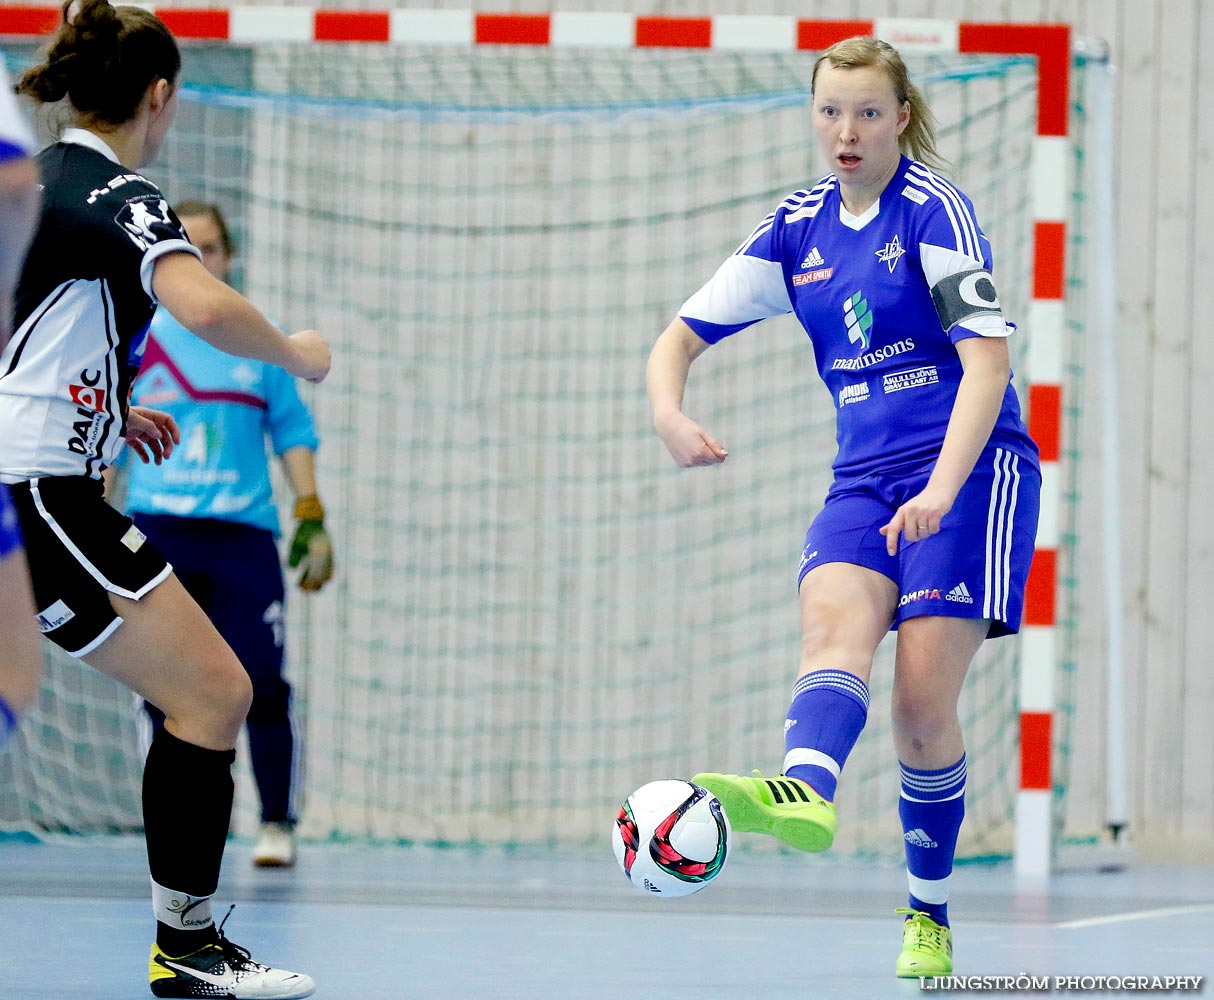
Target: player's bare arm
{"x":666,"y":379}
{"x":224,"y":318}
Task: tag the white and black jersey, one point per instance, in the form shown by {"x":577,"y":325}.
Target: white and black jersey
{"x":83,"y":305}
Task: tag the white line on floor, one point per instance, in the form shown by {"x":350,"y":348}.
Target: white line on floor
{"x":1120,"y":918}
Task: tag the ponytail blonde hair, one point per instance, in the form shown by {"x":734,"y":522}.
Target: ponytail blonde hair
{"x":918,"y":139}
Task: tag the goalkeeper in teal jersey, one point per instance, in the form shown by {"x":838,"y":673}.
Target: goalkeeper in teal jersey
{"x":929,"y":525}
{"x":211,"y":512}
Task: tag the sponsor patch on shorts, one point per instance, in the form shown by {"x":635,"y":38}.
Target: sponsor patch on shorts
{"x":134,"y":539}
{"x":54,"y":616}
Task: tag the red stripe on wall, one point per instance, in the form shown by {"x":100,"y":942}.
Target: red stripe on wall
{"x":195,"y":23}
{"x":29,"y":20}
{"x":1045,"y":420}
{"x":351,"y":26}
{"x":814,"y":36}
{"x":1036,"y":750}
{"x":1049,"y":259}
{"x":1051,"y":44}
{"x":513,"y":29}
{"x":674,"y":32}
{"x":1039,"y":592}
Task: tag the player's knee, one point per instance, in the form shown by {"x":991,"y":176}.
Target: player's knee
{"x":223,"y":694}
{"x":239,"y":695}
{"x":210,"y":708}
{"x":920,"y":719}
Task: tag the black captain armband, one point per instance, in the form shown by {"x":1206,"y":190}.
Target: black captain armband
{"x":965,"y":295}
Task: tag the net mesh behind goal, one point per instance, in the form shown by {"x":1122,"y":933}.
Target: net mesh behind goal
{"x":535,"y":611}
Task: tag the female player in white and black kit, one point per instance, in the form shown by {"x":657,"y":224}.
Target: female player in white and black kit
{"x":107,"y":249}
{"x":929,"y":525}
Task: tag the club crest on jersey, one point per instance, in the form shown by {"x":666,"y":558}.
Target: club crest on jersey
{"x":88,"y":396}
{"x":146,"y":221}
{"x":859,"y":320}
{"x":891,"y":254}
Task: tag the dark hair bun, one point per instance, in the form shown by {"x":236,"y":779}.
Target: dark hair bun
{"x":103,"y":58}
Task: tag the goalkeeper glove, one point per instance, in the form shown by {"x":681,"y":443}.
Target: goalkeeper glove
{"x":311,"y":546}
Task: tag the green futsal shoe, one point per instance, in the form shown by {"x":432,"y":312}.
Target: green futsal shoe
{"x":787,"y":808}
{"x":927,"y":948}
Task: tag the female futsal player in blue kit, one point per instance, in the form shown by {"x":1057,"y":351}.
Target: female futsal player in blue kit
{"x":929,"y":525}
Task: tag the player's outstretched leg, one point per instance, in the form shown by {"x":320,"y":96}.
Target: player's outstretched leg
{"x":927,"y":947}
{"x":825,"y":718}
{"x":787,"y":808}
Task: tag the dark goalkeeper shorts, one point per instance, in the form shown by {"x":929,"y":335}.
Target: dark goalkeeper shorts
{"x":81,"y":550}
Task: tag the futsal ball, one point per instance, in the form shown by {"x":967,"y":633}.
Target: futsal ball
{"x":671,"y":837}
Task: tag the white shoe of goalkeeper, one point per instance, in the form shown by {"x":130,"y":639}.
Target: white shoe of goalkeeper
{"x":275,"y":846}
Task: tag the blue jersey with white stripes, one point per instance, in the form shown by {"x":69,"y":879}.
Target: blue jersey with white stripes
{"x":227,"y":408}
{"x":861,"y":287}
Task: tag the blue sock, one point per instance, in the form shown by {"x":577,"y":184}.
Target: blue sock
{"x":828,"y":712}
{"x":932,"y":806}
{"x":8,"y":721}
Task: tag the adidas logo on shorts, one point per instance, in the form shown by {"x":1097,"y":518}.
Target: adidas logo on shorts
{"x":959,"y":593}
{"x":919,"y":839}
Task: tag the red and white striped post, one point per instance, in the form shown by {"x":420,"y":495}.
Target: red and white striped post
{"x":1050,"y":43}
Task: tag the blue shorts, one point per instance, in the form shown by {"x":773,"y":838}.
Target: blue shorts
{"x":976,"y":566}
{"x":10,"y":531}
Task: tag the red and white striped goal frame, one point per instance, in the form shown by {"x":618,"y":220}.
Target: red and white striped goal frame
{"x":1049,"y":43}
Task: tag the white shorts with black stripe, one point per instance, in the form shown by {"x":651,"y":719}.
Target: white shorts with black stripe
{"x":81,"y":550}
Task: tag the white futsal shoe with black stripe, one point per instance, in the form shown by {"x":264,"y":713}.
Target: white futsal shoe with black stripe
{"x":787,"y":808}
{"x":223,"y":969}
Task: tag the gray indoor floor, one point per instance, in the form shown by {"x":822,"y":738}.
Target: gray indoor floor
{"x":441,"y":924}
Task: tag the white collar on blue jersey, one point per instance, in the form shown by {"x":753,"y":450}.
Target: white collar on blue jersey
{"x":858,"y":222}
{"x":83,"y":137}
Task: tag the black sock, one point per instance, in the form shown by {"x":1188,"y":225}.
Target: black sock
{"x":187,"y":806}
